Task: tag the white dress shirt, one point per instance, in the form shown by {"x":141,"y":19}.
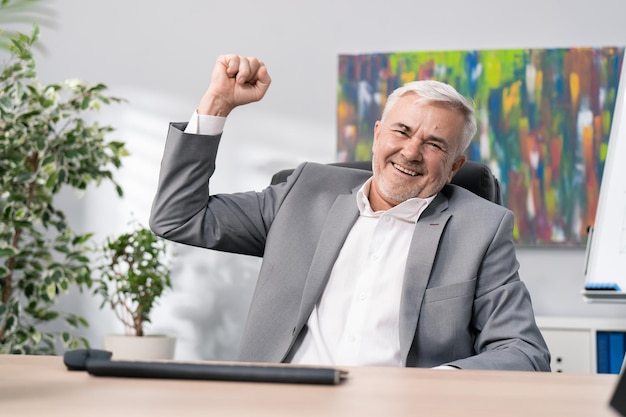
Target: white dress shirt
{"x":356,"y":321}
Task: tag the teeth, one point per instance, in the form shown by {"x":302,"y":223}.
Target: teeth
{"x":406,"y":171}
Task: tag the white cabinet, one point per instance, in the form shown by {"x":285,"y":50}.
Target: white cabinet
{"x":572,"y":341}
{"x":570,"y":349}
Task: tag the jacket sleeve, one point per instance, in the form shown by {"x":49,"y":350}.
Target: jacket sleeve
{"x":506,"y":334}
{"x":184,"y":211}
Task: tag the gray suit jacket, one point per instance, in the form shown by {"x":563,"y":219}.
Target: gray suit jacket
{"x":463,"y":303}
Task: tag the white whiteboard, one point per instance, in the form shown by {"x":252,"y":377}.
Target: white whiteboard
{"x":606,"y":251}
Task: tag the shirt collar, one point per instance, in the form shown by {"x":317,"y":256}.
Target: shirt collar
{"x":408,"y":210}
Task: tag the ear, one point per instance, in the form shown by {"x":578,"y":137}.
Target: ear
{"x":456,"y":165}
{"x":376,"y":133}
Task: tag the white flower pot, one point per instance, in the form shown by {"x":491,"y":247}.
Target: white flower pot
{"x":148,"y":347}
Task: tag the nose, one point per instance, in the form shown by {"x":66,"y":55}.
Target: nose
{"x":412,"y":150}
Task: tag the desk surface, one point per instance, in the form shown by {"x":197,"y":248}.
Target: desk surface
{"x":41,"y":386}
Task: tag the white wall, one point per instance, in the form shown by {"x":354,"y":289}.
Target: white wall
{"x":158,"y":54}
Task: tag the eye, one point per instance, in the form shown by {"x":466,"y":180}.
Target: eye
{"x":436,"y":145}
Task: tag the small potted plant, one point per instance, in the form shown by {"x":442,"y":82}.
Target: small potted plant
{"x":133,"y":275}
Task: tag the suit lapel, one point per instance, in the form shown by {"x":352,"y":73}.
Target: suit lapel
{"x":340,"y":220}
{"x":422,"y":252}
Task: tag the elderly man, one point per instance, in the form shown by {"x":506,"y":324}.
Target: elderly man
{"x":398,"y":268}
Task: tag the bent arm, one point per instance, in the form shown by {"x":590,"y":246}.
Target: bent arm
{"x":183,"y":210}
{"x":507,"y":336}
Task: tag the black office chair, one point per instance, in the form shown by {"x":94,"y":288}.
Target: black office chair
{"x":474,"y":176}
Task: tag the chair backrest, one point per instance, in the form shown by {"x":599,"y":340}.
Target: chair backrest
{"x":474,"y":176}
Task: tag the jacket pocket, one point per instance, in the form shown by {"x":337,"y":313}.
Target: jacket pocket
{"x":447,"y":292}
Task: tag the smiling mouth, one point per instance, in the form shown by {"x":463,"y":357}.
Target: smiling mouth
{"x":404,"y":170}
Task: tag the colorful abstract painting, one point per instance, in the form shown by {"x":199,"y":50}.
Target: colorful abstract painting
{"x":544,"y":118}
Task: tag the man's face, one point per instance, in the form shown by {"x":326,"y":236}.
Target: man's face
{"x":416,"y":151}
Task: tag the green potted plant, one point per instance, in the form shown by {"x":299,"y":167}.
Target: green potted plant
{"x":133,"y":273}
{"x":48,"y":142}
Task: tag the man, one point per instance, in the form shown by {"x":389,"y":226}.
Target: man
{"x":400,"y":269}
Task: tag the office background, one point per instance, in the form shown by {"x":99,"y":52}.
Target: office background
{"x":159,"y":55}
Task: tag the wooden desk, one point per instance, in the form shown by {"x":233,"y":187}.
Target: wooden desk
{"x":41,"y":386}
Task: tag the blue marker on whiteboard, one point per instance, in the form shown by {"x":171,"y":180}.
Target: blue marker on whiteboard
{"x":602,"y":286}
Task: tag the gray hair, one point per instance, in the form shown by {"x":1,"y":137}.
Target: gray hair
{"x":431,"y":90}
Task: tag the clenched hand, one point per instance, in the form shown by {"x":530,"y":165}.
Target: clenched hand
{"x":236,"y":80}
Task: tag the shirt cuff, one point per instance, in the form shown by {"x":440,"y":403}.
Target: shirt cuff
{"x":204,"y":124}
